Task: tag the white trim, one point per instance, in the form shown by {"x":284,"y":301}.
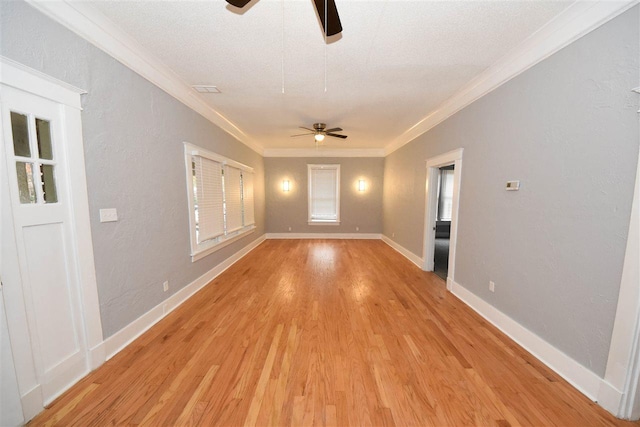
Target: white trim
{"x":405,"y":252}
{"x":32,"y":81}
{"x":610,"y":398}
{"x":199,"y":254}
{"x":94,"y":27}
{"x":81,"y":232}
{"x":431,"y":200}
{"x":623,"y":363}
{"x":577,"y":20}
{"x":577,"y":375}
{"x":118,"y":341}
{"x":363,"y":236}
{"x":32,"y":403}
{"x":321,"y":152}
{"x":194,"y":150}
{"x":97,"y":356}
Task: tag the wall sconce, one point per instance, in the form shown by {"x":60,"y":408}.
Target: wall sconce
{"x":362,"y":185}
{"x":286,"y":185}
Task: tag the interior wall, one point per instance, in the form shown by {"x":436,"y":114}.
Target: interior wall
{"x":133,"y":140}
{"x":568,"y":130}
{"x":357,"y":209}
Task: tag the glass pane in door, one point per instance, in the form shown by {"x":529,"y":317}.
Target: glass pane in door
{"x":20,"y":135}
{"x":25,"y":182}
{"x":48,"y":184}
{"x":43,"y":132}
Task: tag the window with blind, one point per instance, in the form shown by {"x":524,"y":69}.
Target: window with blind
{"x":324,"y":194}
{"x":221,"y":200}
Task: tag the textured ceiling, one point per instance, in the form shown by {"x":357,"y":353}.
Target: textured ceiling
{"x":395,"y":62}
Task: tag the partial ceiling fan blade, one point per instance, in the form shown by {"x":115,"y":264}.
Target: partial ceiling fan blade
{"x":334,"y":130}
{"x":331,"y":24}
{"x":335,"y":135}
{"x":238,"y":3}
{"x":303,"y":134}
{"x":310,"y":130}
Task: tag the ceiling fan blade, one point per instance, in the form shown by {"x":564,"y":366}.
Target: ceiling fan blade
{"x":302,"y":134}
{"x":335,"y":135}
{"x":310,"y":130}
{"x":330,"y":23}
{"x":238,"y":3}
{"x":334,"y":130}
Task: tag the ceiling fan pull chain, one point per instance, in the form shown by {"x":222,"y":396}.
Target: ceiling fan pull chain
{"x":282,"y":2}
{"x":325,"y":46}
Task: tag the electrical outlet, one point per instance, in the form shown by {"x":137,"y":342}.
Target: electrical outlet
{"x":492,"y":286}
{"x":165,"y":286}
{"x":289,"y":228}
{"x":393,"y":234}
{"x":357,"y":228}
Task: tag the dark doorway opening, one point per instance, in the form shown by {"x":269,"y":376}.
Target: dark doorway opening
{"x":443,"y":222}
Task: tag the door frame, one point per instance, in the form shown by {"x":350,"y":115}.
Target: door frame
{"x":23,"y":78}
{"x":620,"y":387}
{"x":434,"y":164}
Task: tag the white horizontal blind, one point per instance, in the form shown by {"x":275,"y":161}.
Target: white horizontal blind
{"x":209,"y":214}
{"x":445,"y":207}
{"x":247,"y":198}
{"x":233,"y":198}
{"x":324,"y":203}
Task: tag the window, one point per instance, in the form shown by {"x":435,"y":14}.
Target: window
{"x":445,"y":193}
{"x":35,"y":165}
{"x":220,"y":193}
{"x":324,"y":194}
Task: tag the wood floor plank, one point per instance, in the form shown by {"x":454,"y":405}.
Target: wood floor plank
{"x":324,"y":333}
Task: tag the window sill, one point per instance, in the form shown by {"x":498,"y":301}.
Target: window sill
{"x":197,"y":255}
{"x":324,"y":222}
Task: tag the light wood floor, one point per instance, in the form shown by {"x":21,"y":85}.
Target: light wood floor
{"x":324,"y":332}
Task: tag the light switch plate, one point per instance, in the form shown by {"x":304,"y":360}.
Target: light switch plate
{"x":108,"y":215}
{"x":512,"y":186}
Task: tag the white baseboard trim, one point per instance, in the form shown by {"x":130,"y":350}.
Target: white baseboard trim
{"x":31,"y":403}
{"x":577,"y":375}
{"x":115,"y":343}
{"x":610,"y":398}
{"x":366,"y":236}
{"x":404,"y":251}
{"x":97,"y":356}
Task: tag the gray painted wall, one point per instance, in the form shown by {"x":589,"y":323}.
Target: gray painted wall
{"x":568,"y":129}
{"x":363,"y":210}
{"x":133,"y":135}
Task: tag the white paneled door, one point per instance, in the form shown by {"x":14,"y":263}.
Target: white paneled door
{"x":41,"y":259}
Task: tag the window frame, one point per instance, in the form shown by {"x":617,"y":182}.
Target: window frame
{"x":310,"y":169}
{"x":201,"y":249}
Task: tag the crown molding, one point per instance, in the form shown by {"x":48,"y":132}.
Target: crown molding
{"x":577,"y":20}
{"x":321,"y":152}
{"x":94,"y":27}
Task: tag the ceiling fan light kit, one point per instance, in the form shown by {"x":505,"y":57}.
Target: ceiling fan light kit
{"x":320,"y":131}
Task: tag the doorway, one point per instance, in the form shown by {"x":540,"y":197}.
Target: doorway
{"x":48,"y":275}
{"x":443,"y":221}
{"x":441,"y":214}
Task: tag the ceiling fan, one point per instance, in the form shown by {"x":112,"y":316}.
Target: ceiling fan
{"x":330,"y":21}
{"x":319,"y":132}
